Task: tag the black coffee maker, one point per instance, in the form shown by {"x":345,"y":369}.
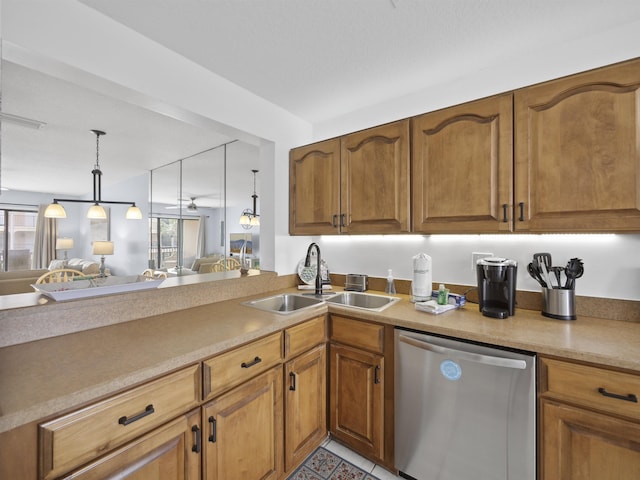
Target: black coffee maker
{"x":497,"y":286}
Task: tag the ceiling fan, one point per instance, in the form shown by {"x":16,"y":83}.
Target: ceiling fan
{"x":191,"y":206}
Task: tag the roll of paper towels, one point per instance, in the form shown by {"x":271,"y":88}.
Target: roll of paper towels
{"x":422,"y":282}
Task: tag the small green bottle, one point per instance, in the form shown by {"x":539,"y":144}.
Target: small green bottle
{"x":443,"y":295}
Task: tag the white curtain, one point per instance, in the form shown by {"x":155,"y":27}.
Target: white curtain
{"x":201,"y":242}
{"x":44,"y":248}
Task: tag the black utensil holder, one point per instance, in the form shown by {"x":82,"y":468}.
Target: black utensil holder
{"x":559,"y":303}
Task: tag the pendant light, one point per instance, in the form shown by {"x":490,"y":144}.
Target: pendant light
{"x":250,"y":218}
{"x":96,"y":211}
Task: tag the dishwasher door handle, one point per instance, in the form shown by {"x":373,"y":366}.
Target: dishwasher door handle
{"x":472,"y":357}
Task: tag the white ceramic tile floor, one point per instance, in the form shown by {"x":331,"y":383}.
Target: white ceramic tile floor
{"x":359,"y":461}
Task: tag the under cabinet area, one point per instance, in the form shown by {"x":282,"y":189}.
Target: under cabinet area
{"x":359,"y":183}
{"x":361,"y":387}
{"x":589,"y":422}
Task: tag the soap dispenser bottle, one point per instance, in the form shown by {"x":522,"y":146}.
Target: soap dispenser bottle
{"x":391,"y":286}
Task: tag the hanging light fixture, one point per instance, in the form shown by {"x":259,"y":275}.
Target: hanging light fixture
{"x":250,"y":218}
{"x":96,"y":211}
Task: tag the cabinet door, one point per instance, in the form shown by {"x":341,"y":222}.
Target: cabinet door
{"x":243,"y":434}
{"x":375,"y":169}
{"x":356,"y":395}
{"x":171,"y":452}
{"x":314,"y":189}
{"x":581,"y":445}
{"x":577,"y":151}
{"x":462,"y":168}
{"x":305,"y":405}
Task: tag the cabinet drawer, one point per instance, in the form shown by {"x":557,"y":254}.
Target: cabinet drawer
{"x":80,"y":436}
{"x":234,"y":367}
{"x":303,"y":337}
{"x":356,"y":333}
{"x":598,"y":388}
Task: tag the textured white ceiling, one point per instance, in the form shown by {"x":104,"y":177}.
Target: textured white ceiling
{"x":322,"y":58}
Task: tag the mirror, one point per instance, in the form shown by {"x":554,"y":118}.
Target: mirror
{"x":194,"y":220}
{"x":56,"y":160}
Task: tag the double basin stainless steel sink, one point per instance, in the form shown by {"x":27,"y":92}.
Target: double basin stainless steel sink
{"x":294,"y":302}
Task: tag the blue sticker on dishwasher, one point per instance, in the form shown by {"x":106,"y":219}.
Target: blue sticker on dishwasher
{"x":450,"y":370}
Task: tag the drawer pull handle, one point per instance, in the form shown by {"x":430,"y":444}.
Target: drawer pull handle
{"x":212,"y":423}
{"x":252,"y":363}
{"x":126,"y":421}
{"x":629,"y":398}
{"x":505,"y":216}
{"x":376,"y":375}
{"x":196,"y":431}
{"x":292,"y":385}
{"x":521,"y":218}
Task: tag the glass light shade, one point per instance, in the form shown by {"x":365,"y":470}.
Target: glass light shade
{"x":102,"y":248}
{"x":133,"y":213}
{"x":245,"y":220}
{"x":96,"y":212}
{"x":255,"y":221}
{"x":55,"y":210}
{"x":64,"y":243}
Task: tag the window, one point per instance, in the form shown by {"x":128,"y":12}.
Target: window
{"x":17,"y":238}
{"x":168,"y":233}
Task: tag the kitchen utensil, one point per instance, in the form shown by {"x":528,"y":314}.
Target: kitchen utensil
{"x":573,"y":270}
{"x":535,"y":274}
{"x":558,"y":271}
{"x":544,"y":263}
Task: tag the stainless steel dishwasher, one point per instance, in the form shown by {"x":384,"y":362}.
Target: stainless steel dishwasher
{"x":463,"y":411}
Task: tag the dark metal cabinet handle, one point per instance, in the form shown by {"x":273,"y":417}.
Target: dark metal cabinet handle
{"x":505,"y":215}
{"x":342,"y":216}
{"x":628,"y":398}
{"x":212,"y":424}
{"x":196,"y":431}
{"x":251,"y":363}
{"x":333,"y":221}
{"x":521,"y":205}
{"x":376,"y":375}
{"x":126,"y":421}
{"x":292,"y":385}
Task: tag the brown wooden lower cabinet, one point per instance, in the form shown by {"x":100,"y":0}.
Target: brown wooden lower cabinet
{"x":305,"y":395}
{"x":170,"y":452}
{"x":582,"y":445}
{"x":243,"y":435}
{"x":356,"y":401}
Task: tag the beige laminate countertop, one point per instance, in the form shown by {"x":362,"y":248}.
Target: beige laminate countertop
{"x":49,"y":376}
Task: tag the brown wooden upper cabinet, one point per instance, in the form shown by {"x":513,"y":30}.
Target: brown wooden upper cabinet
{"x":462,"y":168}
{"x":577,"y":155}
{"x":359,"y":183}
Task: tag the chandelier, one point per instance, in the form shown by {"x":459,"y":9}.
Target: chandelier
{"x":96,"y":211}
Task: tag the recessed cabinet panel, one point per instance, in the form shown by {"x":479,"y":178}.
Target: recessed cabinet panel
{"x":314,"y":178}
{"x":578,"y":152}
{"x":582,"y":445}
{"x":170,"y":452}
{"x":462,"y":168}
{"x":243,"y":435}
{"x":375,"y":168}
